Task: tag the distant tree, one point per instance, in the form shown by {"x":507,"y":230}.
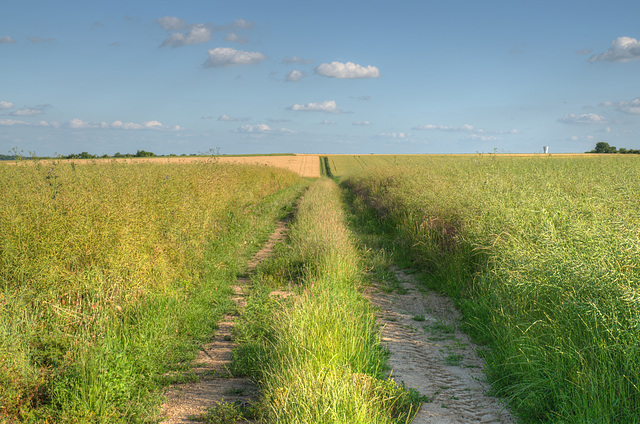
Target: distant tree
{"x":603,"y":147}
{"x":143,"y":154}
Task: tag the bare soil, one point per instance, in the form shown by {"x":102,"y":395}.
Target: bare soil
{"x":429,"y":353}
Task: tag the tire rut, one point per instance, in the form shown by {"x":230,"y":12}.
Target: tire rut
{"x":215,"y":383}
{"x":430,"y":354}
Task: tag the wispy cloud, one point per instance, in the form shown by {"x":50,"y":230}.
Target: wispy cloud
{"x":263,"y":129}
{"x":623,"y":49}
{"x":295,"y":76}
{"x":241,"y":23}
{"x":347,"y":70}
{"x":197,"y":34}
{"x":362,"y":123}
{"x":6,"y":105}
{"x":29,"y":111}
{"x":6,"y":40}
{"x":482,"y":137}
{"x":171,"y":23}
{"x":183,"y":34}
{"x":78,"y":123}
{"x":16,"y":122}
{"x":234,"y":38}
{"x":328,"y":106}
{"x":224,"y":57}
{"x":296,"y":60}
{"x":41,"y":40}
{"x":585,"y":118}
{"x":472,"y":132}
{"x":431,"y":127}
{"x":227,"y":118}
{"x":395,"y":135}
{"x":631,"y":107}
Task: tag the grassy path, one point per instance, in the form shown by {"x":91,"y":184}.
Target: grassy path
{"x":326,"y":345}
{"x":213,"y":382}
{"x":317,"y":356}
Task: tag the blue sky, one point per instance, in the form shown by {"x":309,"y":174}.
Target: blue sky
{"x":318,"y":77}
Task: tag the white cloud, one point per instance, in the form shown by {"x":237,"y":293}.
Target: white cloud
{"x":362,"y":123}
{"x":329,"y":106}
{"x":197,"y":34}
{"x":6,"y":40}
{"x":461,"y":128}
{"x":27,"y":111}
{"x":12,"y":122}
{"x":6,"y":105}
{"x":296,"y":59}
{"x":585,"y":118}
{"x":632,"y":107}
{"x":225,"y":117}
{"x":295,"y":76}
{"x":328,"y":122}
{"x":347,"y":70}
{"x":171,"y":23}
{"x":263,"y":129}
{"x":394,"y":135}
{"x":77,"y":123}
{"x":226,"y":56}
{"x":622,"y":49}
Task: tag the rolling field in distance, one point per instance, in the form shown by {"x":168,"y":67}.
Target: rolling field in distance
{"x":542,"y":254}
{"x":307,"y":166}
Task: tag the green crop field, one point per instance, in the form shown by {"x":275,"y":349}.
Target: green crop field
{"x":542,"y":254}
{"x":113,"y":274}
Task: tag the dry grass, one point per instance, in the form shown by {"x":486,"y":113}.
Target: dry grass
{"x":304,"y":165}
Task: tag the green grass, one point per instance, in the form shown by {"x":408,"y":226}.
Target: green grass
{"x":542,"y":256}
{"x":317,"y":355}
{"x":112,"y":275}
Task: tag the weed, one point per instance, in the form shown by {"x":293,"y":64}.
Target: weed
{"x":453,"y":359}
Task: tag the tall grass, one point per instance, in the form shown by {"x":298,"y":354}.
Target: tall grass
{"x":543,"y":256}
{"x":320,"y":358}
{"x":111,"y":274}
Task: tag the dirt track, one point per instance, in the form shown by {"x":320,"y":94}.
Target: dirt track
{"x":215,"y":382}
{"x":430,"y":354}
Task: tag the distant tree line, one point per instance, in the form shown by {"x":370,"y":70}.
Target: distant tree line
{"x":603,"y":147}
{"x":87,"y":155}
